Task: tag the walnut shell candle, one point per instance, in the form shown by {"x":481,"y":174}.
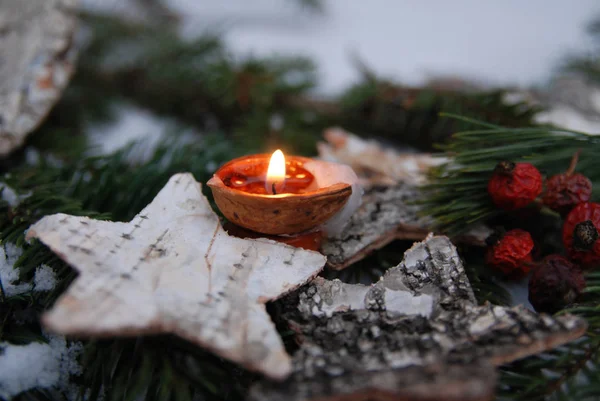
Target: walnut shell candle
{"x":312,"y":194}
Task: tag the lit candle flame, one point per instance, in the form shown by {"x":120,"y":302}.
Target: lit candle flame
{"x":276,"y":173}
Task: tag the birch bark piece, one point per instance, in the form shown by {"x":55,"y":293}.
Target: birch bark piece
{"x":36,"y":61}
{"x":173,"y":269}
{"x":400,"y":347}
{"x":389,"y":211}
{"x":430,"y":276}
{"x":376,"y":164}
{"x":386,"y":214}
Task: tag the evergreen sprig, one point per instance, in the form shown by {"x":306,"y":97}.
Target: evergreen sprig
{"x":411,"y":115}
{"x":456,"y":195}
{"x":570,"y":372}
{"x":198,"y":81}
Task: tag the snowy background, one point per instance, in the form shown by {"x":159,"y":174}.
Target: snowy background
{"x":508,"y":42}
{"x":503,"y":43}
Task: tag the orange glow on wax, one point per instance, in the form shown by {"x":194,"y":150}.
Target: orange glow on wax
{"x":275,"y":182}
{"x":249,"y":174}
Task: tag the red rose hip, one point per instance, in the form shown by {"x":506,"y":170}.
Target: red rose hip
{"x":555,"y":284}
{"x":511,"y":253}
{"x":514,"y":185}
{"x":580,"y":234}
{"x":567,"y":190}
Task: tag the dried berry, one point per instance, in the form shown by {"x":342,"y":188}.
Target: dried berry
{"x":555,"y":284}
{"x":514,"y":185}
{"x":580,"y":234}
{"x":511,"y":253}
{"x":567,"y":190}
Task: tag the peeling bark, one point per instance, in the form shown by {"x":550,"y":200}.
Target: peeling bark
{"x":429,"y":277}
{"x":434,"y":382}
{"x":173,"y":269}
{"x":352,"y":345}
{"x":387,"y":214}
{"x":375,"y":163}
{"x":38,"y":59}
{"x":384,"y":216}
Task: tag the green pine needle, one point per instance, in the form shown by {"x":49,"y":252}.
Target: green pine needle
{"x":456,"y":195}
{"x":570,"y":372}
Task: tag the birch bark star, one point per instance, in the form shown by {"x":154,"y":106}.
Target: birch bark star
{"x":173,"y":269}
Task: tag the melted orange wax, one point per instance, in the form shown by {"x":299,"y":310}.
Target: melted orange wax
{"x":249,"y":175}
{"x":311,"y":240}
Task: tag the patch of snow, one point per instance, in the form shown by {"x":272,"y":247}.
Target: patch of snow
{"x":9,"y":275}
{"x":276,"y":122}
{"x":519,"y":292}
{"x":32,"y":156}
{"x":38,"y":365}
{"x":45,"y":278}
{"x":131,"y":124}
{"x":134,"y":124}
{"x":569,"y":118}
{"x":9,"y":195}
{"x":211,"y":166}
{"x":595,"y":100}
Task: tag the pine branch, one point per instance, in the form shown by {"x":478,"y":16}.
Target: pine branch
{"x":570,"y":372}
{"x":457,"y":193}
{"x":411,"y":115}
{"x":198,"y":80}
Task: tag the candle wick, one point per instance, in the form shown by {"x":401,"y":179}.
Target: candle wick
{"x":273,"y":188}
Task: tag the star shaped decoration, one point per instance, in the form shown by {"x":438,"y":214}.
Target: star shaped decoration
{"x":416,"y":335}
{"x":173,"y":269}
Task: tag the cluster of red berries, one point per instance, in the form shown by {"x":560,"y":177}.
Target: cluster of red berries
{"x":556,"y":280}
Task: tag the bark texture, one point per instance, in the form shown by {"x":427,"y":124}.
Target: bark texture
{"x":415,"y":335}
{"x":391,"y":179}
{"x":173,"y":269}
{"x":387,"y":213}
{"x":37,"y":53}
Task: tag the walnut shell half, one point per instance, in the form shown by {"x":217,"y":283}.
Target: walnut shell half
{"x":285,"y":213}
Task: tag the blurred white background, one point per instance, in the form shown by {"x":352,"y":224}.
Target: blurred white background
{"x":508,"y":42}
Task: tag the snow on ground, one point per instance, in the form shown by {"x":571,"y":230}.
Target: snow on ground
{"x":567,"y":117}
{"x":44,"y":277}
{"x":135,"y":124}
{"x":9,"y":276}
{"x":9,"y":195}
{"x":39,"y":365}
{"x":131,"y":123}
